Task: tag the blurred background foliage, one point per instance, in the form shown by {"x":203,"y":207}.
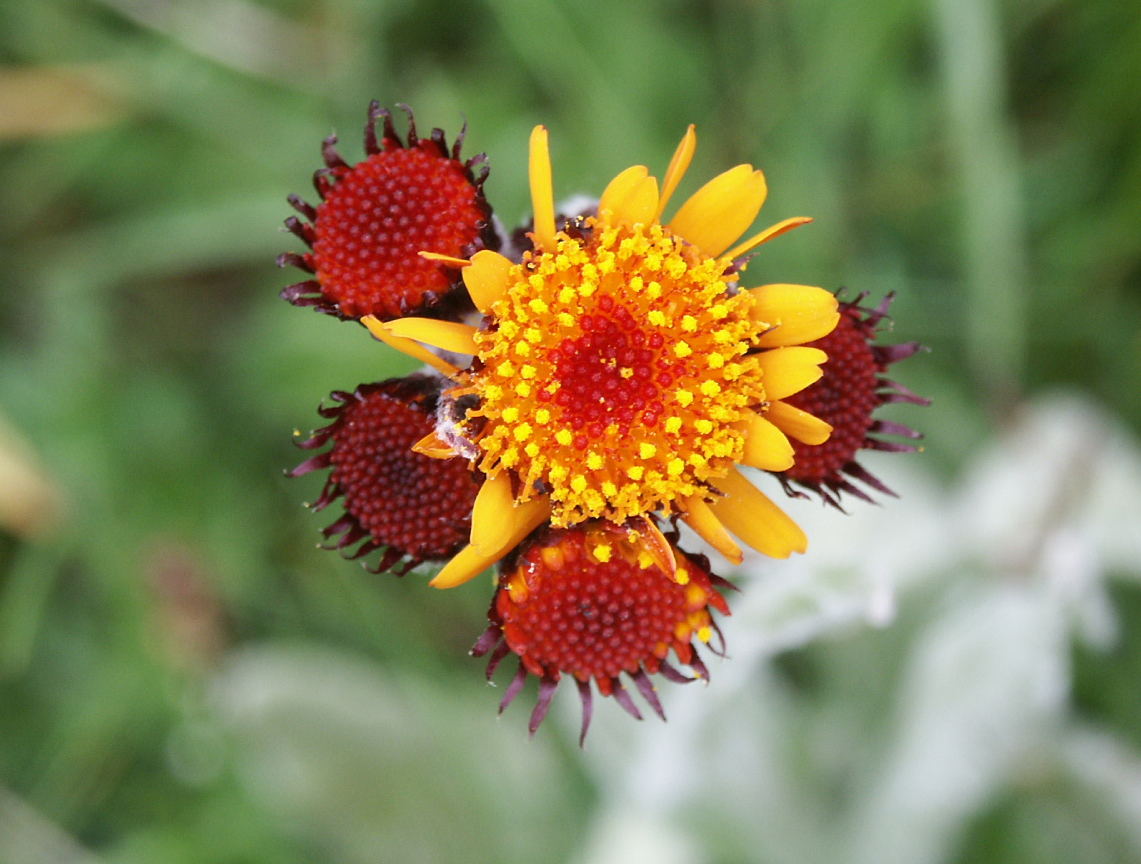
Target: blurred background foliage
{"x":184,"y":679}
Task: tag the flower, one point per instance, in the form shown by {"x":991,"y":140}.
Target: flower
{"x":586,"y":602}
{"x":846,"y":397}
{"x":620,"y":371}
{"x":416,"y":508}
{"x":378,"y":214}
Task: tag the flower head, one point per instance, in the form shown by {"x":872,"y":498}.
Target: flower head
{"x":586,"y":602}
{"x":846,"y":397}
{"x":377,"y":215}
{"x":621,"y":371}
{"x":415,"y":508}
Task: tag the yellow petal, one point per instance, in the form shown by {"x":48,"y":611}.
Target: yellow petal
{"x":542,"y":190}
{"x":678,"y":166}
{"x":497,"y":522}
{"x":698,"y":516}
{"x":493,"y":501}
{"x":487,"y":279}
{"x":797,"y":314}
{"x":747,"y":512}
{"x":766,"y":446}
{"x":631,"y":197}
{"x":447,"y":335}
{"x":721,"y":210}
{"x":449,"y":260}
{"x":798,"y":424}
{"x":767,"y":235}
{"x":790,"y":370}
{"x":434,"y":447}
{"x":407,"y":346}
{"x":516,"y":522}
{"x":464,"y":566}
{"x":649,"y":539}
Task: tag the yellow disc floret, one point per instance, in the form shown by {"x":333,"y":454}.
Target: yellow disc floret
{"x":639,"y":373}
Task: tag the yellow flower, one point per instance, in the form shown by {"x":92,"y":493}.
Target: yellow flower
{"x":621,"y":372}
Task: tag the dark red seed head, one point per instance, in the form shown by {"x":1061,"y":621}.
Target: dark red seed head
{"x":846,"y":397}
{"x":418,"y":508}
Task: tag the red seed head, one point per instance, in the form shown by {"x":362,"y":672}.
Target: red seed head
{"x":847,"y":396}
{"x":579,"y":601}
{"x":378,"y":216}
{"x":416,"y":506}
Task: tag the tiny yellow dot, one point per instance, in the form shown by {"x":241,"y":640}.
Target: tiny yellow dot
{"x":523,"y":389}
{"x":564,"y":437}
{"x":684,"y":397}
{"x":635,"y":472}
{"x":593,"y":461}
{"x":543,"y":416}
{"x":602,"y":552}
{"x":710,"y":388}
{"x":682,"y":349}
{"x":522,"y":432}
{"x":647,"y":450}
{"x":510,"y":414}
{"x":578,"y":483}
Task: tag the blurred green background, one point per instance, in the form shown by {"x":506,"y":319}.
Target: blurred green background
{"x":184,"y":678}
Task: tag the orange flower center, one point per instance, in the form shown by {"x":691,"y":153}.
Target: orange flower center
{"x":616,"y":374}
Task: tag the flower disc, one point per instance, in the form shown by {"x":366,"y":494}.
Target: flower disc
{"x":574,"y":603}
{"x":844,"y":397}
{"x":417,"y":507}
{"x":616,"y":376}
{"x":377,"y":218}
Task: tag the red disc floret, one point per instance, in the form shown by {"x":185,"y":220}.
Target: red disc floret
{"x":377,"y":216}
{"x":580,"y":601}
{"x":612,"y":373}
{"x":846,"y":397}
{"x":417,"y":507}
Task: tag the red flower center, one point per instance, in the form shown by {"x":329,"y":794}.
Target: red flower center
{"x":377,"y":218}
{"x":844,"y":397}
{"x":407,"y":501}
{"x":607,"y":375}
{"x":564,"y":610}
